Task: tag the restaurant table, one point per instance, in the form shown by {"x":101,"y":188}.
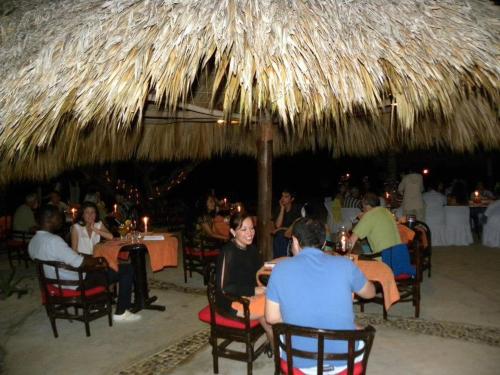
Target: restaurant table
{"x":477,"y":210}
{"x":372,"y":269}
{"x":162,"y":253}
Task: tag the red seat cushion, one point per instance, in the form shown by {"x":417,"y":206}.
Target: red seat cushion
{"x":204,"y":316}
{"x":358,"y":369}
{"x":197,"y":252}
{"x":16,"y":243}
{"x":402,"y":277}
{"x":54,"y":291}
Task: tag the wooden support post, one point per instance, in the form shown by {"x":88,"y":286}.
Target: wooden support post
{"x":265,"y":187}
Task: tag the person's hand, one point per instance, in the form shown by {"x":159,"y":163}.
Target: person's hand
{"x":282,"y":204}
{"x":101,"y":263}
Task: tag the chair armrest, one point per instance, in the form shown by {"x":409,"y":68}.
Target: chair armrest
{"x":246,"y":306}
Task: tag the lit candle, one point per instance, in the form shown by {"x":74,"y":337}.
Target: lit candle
{"x":73,"y":213}
{"x":115,"y":208}
{"x":145,"y":220}
{"x":476,"y":194}
{"x":225,"y":201}
{"x":387,"y":195}
{"x":238,"y":208}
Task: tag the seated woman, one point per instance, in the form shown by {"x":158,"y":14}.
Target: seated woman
{"x":237,"y":266}
{"x":204,"y":230}
{"x":88,"y":230}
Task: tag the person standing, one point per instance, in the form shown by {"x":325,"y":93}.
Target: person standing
{"x":314,"y":289}
{"x":412,"y":187}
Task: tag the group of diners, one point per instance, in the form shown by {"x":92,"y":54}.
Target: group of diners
{"x":311,"y":287}
{"x":86,"y":232}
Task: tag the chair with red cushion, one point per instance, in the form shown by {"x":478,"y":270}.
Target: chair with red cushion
{"x":197,"y":258}
{"x":424,"y":241}
{"x":59,"y":296}
{"x":283,"y":333}
{"x":230,"y":329}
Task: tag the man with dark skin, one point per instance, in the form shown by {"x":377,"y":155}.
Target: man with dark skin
{"x":46,"y":245}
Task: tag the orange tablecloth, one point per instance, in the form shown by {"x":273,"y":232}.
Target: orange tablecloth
{"x":162,"y":253}
{"x":378,"y":271}
{"x":373,"y":270}
{"x":220,"y":226}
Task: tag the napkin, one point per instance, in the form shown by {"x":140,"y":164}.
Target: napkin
{"x":158,"y":237}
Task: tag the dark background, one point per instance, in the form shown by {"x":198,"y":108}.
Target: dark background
{"x":309,"y":174}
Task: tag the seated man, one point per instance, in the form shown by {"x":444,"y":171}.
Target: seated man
{"x":314,"y":289}
{"x":45,"y":245}
{"x":352,"y":200}
{"x":55,"y":200}
{"x":24,"y":217}
{"x":287,"y":213}
{"x":377,"y":224}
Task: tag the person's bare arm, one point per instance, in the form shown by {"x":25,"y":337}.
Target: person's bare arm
{"x":279,"y":220}
{"x":103,"y":232}
{"x":353,"y":239}
{"x":97,"y":263}
{"x":367,"y":291}
{"x":273,"y":312}
{"x":74,"y":239}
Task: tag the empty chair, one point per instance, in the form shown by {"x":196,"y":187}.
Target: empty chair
{"x":458,"y":231}
{"x":491,"y":230}
{"x":356,"y":358}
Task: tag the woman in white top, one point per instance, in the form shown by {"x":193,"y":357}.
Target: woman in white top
{"x":88,"y":230}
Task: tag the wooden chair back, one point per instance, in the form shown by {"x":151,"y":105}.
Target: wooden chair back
{"x":283,"y":333}
{"x":59,"y":295}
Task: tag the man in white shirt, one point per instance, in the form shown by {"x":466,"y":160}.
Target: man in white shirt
{"x":45,"y":245}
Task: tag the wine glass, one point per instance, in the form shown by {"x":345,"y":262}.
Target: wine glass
{"x":123,"y":230}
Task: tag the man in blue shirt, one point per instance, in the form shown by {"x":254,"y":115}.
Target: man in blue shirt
{"x":314,"y":289}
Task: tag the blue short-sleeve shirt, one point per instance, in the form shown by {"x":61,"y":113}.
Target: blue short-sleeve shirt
{"x":315,"y":289}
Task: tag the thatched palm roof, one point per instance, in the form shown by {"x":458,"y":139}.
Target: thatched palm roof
{"x":355,"y":77}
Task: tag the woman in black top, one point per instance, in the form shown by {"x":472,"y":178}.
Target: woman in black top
{"x":237,"y":267}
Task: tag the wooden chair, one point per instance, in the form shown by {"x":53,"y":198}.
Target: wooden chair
{"x":424,"y":241}
{"x":408,"y":286}
{"x":197,"y":258}
{"x":231,"y":329}
{"x":283,"y":340}
{"x":58,"y":298}
{"x":5,"y":227}
{"x":17,"y":248}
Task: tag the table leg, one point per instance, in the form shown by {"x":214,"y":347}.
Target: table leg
{"x":141,"y":291}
